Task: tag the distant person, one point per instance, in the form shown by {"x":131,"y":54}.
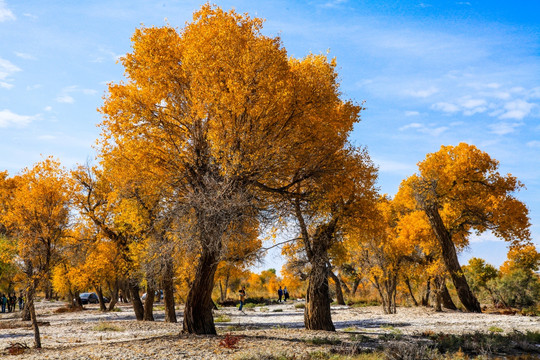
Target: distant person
{"x":3,"y":300}
{"x":12,"y":302}
{"x":280,"y":294}
{"x":285,"y":293}
{"x":21,"y":301}
{"x":242,"y":294}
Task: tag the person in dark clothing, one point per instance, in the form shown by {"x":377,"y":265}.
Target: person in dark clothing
{"x":21,"y":301}
{"x":285,"y":294}
{"x":3,"y":301}
{"x":280,"y":293}
{"x":242,"y":294}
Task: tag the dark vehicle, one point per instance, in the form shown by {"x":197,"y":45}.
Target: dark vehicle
{"x":91,"y":298}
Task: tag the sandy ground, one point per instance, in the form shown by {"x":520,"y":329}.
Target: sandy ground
{"x":91,"y":334}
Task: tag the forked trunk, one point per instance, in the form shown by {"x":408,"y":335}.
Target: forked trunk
{"x":114,"y":296}
{"x":425,"y":298}
{"x":168,"y":294}
{"x":149,"y":304}
{"x":136,"y":300}
{"x":198,"y":318}
{"x":411,"y":294}
{"x":99,"y":293}
{"x":317,"y":315}
{"x":450,"y":258}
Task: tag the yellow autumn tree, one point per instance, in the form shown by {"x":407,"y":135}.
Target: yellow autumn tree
{"x":223,"y":115}
{"x":38,"y":216}
{"x":460,"y":190}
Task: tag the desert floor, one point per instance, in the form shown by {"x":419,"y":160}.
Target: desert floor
{"x":272,"y":329}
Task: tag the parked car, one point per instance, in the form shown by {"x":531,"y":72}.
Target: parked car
{"x":91,"y":298}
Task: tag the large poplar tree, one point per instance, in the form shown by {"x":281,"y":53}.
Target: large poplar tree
{"x":221,"y":113}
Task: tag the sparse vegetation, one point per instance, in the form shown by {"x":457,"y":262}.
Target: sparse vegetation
{"x":222,"y":318}
{"x":107,"y":326}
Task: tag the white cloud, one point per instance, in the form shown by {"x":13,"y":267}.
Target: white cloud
{"x":66,"y":99}
{"x":6,"y":70}
{"x":425,"y":129}
{"x":33,"y":87}
{"x":412,"y":113}
{"x":445,"y":107}
{"x":534,"y":144}
{"x":333,"y":3}
{"x":5,"y":13}
{"x":423,"y":93}
{"x":516,"y":109}
{"x":9,"y":118}
{"x":504,"y":128}
{"x":5,"y":85}
{"x":25,"y":56}
{"x":48,"y":108}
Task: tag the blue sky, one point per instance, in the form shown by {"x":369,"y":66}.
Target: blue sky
{"x":430,"y":72}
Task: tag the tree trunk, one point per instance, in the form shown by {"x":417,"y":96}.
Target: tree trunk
{"x":136,"y":300}
{"x":339,"y":292}
{"x":31,"y":309}
{"x":168,"y":293}
{"x":198,"y":318}
{"x":408,"y":283}
{"x":447,"y":301}
{"x":149,"y":304}
{"x":114,"y":295}
{"x":317,"y":314}
{"x":99,"y":292}
{"x":355,"y":286}
{"x":450,"y":258}
{"x":425,"y":298}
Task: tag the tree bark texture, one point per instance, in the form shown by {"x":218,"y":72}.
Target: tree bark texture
{"x":450,"y":259}
{"x":149,"y":304}
{"x":136,"y":300}
{"x":168,"y":293}
{"x":317,"y":315}
{"x":198,"y":317}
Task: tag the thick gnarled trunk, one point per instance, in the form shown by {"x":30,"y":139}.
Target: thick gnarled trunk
{"x":317,"y":315}
{"x":450,"y":259}
{"x":198,"y":317}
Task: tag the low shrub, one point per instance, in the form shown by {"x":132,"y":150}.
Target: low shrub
{"x":105,"y":326}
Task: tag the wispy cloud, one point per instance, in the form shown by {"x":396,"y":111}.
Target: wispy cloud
{"x":65,"y":95}
{"x":430,"y":129}
{"x":9,"y":118}
{"x":412,"y":113}
{"x":504,"y":128}
{"x":25,"y":56}
{"x":65,"y":99}
{"x":534,"y":144}
{"x":517,"y":109}
{"x":422,"y":93}
{"x":5,"y":13}
{"x":332,"y":3}
{"x":6,"y":70}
